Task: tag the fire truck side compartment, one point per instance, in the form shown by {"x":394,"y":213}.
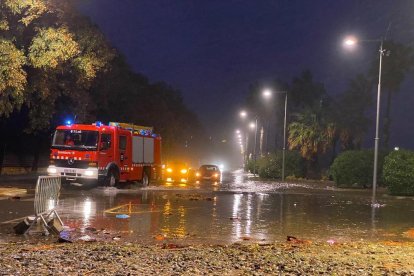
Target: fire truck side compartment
{"x":148,"y":150}
{"x":137,"y":149}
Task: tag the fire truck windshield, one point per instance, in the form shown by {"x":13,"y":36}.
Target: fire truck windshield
{"x":75,"y":139}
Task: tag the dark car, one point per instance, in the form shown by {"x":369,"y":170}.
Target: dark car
{"x":209,"y":172}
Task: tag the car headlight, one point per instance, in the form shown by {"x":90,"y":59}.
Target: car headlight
{"x":89,"y":172}
{"x":51,"y":170}
{"x":169,"y":170}
{"x":216,"y":175}
{"x":183,"y":171}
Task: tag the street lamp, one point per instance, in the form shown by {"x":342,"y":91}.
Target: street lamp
{"x":252,"y":125}
{"x":267,"y":94}
{"x":350,"y":41}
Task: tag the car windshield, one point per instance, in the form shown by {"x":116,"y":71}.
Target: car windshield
{"x":177,"y":165}
{"x":209,"y":168}
{"x":76,"y":139}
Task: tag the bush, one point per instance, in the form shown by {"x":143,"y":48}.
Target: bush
{"x":250,"y":166}
{"x":270,"y":166}
{"x":354,"y":168}
{"x":399,"y":172}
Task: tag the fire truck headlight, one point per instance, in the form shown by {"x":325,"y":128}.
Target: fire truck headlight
{"x":89,"y":172}
{"x":51,"y":170}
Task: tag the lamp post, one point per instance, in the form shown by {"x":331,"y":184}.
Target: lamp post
{"x":352,"y":42}
{"x":239,"y":135}
{"x":267,"y":94}
{"x":252,"y":125}
{"x":255,"y":146}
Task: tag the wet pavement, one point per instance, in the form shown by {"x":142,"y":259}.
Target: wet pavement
{"x":238,"y":209}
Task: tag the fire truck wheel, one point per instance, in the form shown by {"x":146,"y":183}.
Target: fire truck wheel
{"x":112,"y":179}
{"x":145,"y":179}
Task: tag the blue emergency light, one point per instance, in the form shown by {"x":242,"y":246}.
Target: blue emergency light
{"x":68,"y":122}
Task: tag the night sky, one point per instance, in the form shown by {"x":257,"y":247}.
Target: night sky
{"x":212,"y":50}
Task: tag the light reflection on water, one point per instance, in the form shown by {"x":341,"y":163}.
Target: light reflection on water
{"x":256,"y":211}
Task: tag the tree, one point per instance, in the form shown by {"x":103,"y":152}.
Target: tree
{"x":50,"y":56}
{"x":55,"y":52}
{"x":122,"y":95}
{"x":311,"y":135}
{"x":305,"y":93}
{"x":350,"y":112}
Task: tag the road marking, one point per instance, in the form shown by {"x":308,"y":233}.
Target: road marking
{"x":12,"y":191}
{"x":129,"y":209}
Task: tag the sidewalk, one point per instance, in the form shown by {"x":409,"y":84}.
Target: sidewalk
{"x":20,"y":179}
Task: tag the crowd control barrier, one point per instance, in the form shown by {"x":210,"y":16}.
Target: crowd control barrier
{"x":46,"y":199}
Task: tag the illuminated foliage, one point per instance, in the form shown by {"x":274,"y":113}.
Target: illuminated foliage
{"x":51,"y":47}
{"x":28,"y":10}
{"x":51,"y":56}
{"x":308,"y":135}
{"x":12,"y":77}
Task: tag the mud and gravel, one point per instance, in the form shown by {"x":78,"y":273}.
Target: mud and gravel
{"x":293,"y":257}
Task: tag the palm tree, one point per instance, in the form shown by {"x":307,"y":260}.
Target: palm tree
{"x":311,"y":136}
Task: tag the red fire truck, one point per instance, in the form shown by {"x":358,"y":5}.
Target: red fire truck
{"x":105,"y":154}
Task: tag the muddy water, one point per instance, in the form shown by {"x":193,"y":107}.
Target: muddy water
{"x":238,"y":209}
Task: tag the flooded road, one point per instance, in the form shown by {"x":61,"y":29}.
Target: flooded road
{"x":235,"y":210}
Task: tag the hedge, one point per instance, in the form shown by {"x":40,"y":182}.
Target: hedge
{"x":270,"y":166}
{"x":354,"y":168}
{"x":399,"y":172}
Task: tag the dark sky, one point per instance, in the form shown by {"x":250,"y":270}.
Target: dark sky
{"x":212,"y":50}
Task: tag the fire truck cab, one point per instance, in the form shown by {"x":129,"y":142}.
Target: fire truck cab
{"x":105,"y":154}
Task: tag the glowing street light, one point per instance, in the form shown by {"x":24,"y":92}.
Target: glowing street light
{"x":351,"y":42}
{"x":252,"y":125}
{"x":243,"y":114}
{"x":267,"y":93}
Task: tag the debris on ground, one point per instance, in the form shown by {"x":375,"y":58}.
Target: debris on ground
{"x":126,"y":258}
{"x":195,"y":197}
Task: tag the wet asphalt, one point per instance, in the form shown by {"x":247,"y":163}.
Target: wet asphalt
{"x":237,"y":209}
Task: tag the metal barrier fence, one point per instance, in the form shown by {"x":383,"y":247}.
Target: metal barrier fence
{"x":46,"y":199}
